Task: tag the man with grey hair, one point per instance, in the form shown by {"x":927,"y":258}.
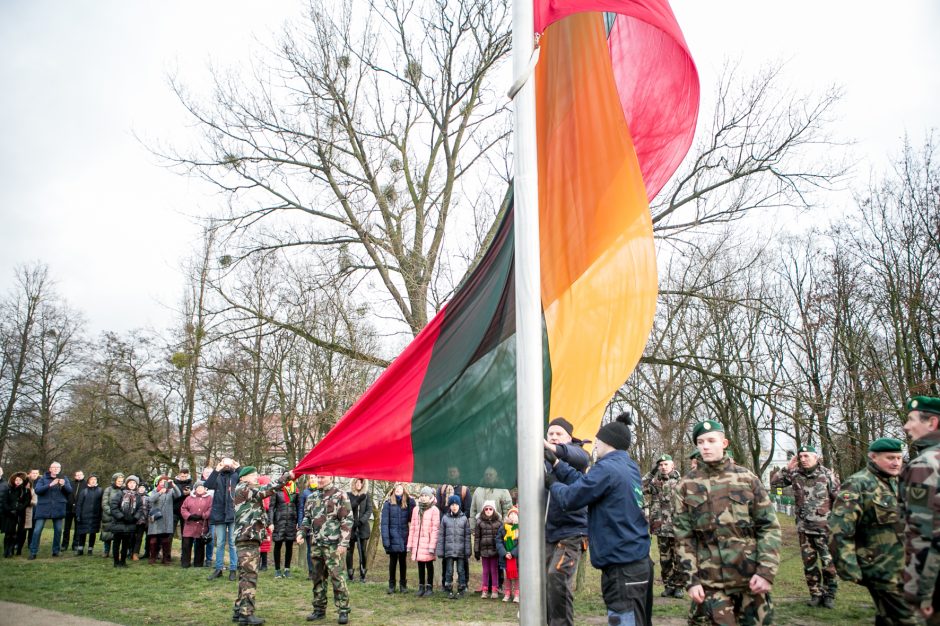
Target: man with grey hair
{"x":52,"y":494}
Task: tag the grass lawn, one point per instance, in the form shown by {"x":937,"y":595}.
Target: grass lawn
{"x":155,"y":594}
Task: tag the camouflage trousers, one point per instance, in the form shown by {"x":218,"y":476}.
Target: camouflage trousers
{"x":673,"y":577}
{"x":730,"y":609}
{"x":249,"y":555}
{"x":890,"y":607}
{"x":820,"y":571}
{"x":327,"y":564}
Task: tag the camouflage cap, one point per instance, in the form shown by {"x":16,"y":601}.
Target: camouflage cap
{"x":925,"y":404}
{"x":886,"y":444}
{"x":807,"y":449}
{"x":706,"y":426}
{"x":664,"y":457}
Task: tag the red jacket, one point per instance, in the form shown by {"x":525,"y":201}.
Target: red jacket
{"x":199,"y":506}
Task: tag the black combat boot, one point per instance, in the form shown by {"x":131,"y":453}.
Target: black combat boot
{"x":317,"y":614}
{"x":343,"y":617}
{"x":815,"y":601}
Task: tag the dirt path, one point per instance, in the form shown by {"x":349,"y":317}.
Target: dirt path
{"x":23,"y":615}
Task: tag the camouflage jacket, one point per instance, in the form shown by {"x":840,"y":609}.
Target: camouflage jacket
{"x":726,"y":527}
{"x":250,"y":517}
{"x":658,"y":491}
{"x":327,"y":517}
{"x":866,"y":529}
{"x":815,"y":491}
{"x":920,"y":496}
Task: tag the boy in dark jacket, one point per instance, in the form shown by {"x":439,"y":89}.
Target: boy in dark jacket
{"x":453,"y":545}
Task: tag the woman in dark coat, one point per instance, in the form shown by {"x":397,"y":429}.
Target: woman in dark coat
{"x":361,"y":505}
{"x":396,"y":518}
{"x":13,"y":523}
{"x":282,"y":513}
{"x":125,"y":507}
{"x":88,"y":515}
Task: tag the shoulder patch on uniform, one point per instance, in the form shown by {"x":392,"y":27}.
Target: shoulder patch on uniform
{"x":917,"y":494}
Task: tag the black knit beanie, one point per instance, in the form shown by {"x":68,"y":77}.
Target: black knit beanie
{"x":616,"y":433}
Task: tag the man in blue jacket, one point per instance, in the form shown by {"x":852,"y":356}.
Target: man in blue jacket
{"x":565,"y":531}
{"x":52,"y":496}
{"x":618,"y":531}
{"x":222,"y":518}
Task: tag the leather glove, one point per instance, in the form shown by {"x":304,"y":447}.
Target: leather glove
{"x":550,"y":456}
{"x":550,"y":479}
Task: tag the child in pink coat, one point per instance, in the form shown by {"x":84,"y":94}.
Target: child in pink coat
{"x":422,"y":539}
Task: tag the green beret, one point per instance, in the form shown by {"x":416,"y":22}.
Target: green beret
{"x":248,"y":469}
{"x":664,"y":457}
{"x":707,"y":426}
{"x":695,"y":454}
{"x":807,"y":449}
{"x":925,"y":404}
{"x":886,"y":444}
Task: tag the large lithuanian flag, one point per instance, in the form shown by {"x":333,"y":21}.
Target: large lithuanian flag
{"x":616,"y":99}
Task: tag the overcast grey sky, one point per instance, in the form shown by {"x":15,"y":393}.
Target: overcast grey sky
{"x":80,"y":77}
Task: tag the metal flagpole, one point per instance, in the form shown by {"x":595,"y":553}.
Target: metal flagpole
{"x":529,"y":402}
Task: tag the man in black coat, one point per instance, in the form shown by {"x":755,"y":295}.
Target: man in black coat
{"x":566,"y":532}
{"x":184,"y":483}
{"x":223,"y":481}
{"x":78,"y":484}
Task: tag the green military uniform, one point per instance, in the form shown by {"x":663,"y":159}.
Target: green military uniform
{"x":659,"y":491}
{"x":327,"y":523}
{"x":815,"y":491}
{"x":920,"y":495}
{"x":251,"y":520}
{"x":727,"y":531}
{"x":866,"y":541}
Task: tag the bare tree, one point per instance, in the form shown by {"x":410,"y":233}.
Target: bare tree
{"x":765,"y":148}
{"x":360,"y":134}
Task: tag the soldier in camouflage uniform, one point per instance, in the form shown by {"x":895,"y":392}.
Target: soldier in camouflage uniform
{"x":920,"y":497}
{"x":728,"y":536}
{"x":251,"y":522}
{"x":815,"y":488}
{"x":327,"y":524}
{"x":658,"y":489}
{"x":866,"y":533}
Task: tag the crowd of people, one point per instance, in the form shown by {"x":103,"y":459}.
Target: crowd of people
{"x":716,"y":527}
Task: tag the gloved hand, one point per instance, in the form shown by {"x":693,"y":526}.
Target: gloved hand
{"x":477,"y":556}
{"x":195,"y":517}
{"x":550,"y":479}
{"x":550,"y":457}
